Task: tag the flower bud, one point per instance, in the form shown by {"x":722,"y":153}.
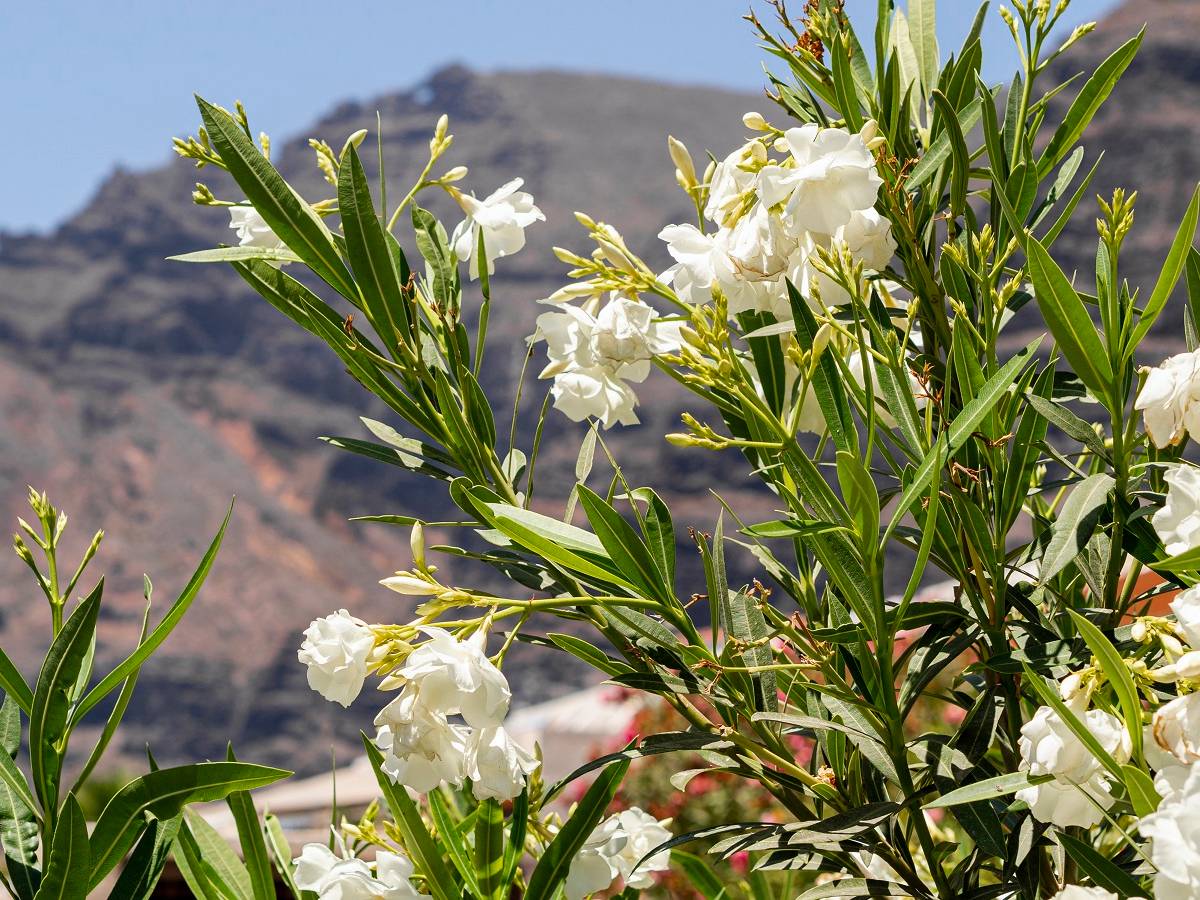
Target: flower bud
{"x":585,"y":220}
{"x":683,"y":162}
{"x":458,"y":173}
{"x":755,"y":122}
{"x":758,"y":153}
{"x":355,"y":140}
{"x":410,"y":585}
{"x":1138,"y":631}
{"x":1171,"y":644}
{"x":416,"y":543}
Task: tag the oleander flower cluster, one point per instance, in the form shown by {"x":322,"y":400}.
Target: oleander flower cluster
{"x":1080,"y":792}
{"x":342,"y":876}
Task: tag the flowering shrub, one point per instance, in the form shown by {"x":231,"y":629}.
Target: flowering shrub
{"x":855,"y":272}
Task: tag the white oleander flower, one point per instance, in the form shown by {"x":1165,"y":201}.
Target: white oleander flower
{"x":1174,"y":833}
{"x":1176,"y":728}
{"x":1186,"y":607}
{"x":395,"y":870}
{"x":253,"y":231}
{"x":448,"y":677}
{"x":1169,"y":773}
{"x":594,"y":867}
{"x":336,"y":649}
{"x":1078,"y":892}
{"x":1178,"y":522}
{"x":701,"y":261}
{"x":642,"y":834}
{"x":343,"y":877}
{"x":1079,"y":790}
{"x":833,"y":175}
{"x":733,"y":178}
{"x":1170,"y":399}
{"x":581,"y":394}
{"x":503,"y":217}
{"x":421,"y":749}
{"x":497,"y":765}
{"x":615,"y":848}
{"x":593,"y":356}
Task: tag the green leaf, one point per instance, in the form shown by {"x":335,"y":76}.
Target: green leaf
{"x":1142,"y":794}
{"x":453,"y":837}
{"x":371,"y":257}
{"x":434,"y":248}
{"x":1102,"y":870}
{"x":988,"y":789}
{"x":939,"y":151}
{"x":700,"y":875}
{"x":551,"y":870}
{"x":66,"y":875}
{"x":1068,"y":320}
{"x":1118,"y":675}
{"x":1168,"y":277}
{"x":1088,"y":101}
{"x":1068,"y":423}
{"x":209,"y":866}
{"x":163,"y":794}
{"x":826,"y":379}
{"x":489,"y":850}
{"x":592,"y":655}
{"x":285,"y":211}
{"x":237,"y":254}
{"x":14,"y":685}
{"x":254,"y":845}
{"x":624,"y":547}
{"x":145,"y":865}
{"x":1075,"y":524}
{"x":419,"y":843}
{"x":660,"y":532}
{"x":52,"y":698}
{"x":134,"y":661}
{"x":961,"y":165}
{"x":18,"y":820}
{"x":922,"y":16}
{"x":963,"y":426}
{"x":281,"y":852}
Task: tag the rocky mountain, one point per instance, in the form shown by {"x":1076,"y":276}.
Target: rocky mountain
{"x":144,"y":394}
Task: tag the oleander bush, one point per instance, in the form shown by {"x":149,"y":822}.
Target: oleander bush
{"x":868,"y":315}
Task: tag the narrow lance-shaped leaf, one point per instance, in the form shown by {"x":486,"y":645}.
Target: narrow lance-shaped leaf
{"x":1075,"y":524}
{"x":144,"y":649}
{"x":163,"y":794}
{"x":51,"y":698}
{"x":66,"y":876}
{"x":1069,"y":322}
{"x":288,"y":215}
{"x":1169,"y":276}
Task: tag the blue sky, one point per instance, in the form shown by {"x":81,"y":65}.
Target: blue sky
{"x":88,"y":86}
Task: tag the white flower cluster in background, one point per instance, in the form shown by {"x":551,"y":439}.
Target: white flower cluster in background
{"x":1170,"y":399}
{"x":595,"y":354}
{"x":773,"y":215}
{"x":341,"y":876}
{"x":1079,"y":791}
{"x":253,"y":231}
{"x":442,"y":678}
{"x":502,"y":217}
{"x":614,"y":849}
{"x":423,"y":749}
